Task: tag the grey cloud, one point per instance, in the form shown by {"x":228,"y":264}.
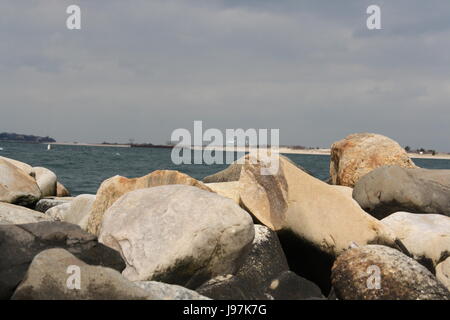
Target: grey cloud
{"x":141,"y":69}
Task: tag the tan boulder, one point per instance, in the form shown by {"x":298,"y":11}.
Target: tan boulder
{"x":443,"y":273}
{"x":360,"y":153}
{"x":16,"y":186}
{"x":46,"y":180}
{"x":113,"y":188}
{"x":21,"y":165}
{"x":313,"y":210}
{"x":61,"y":190}
{"x":226,"y":189}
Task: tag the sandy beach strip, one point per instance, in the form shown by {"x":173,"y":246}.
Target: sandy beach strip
{"x":287,"y":150}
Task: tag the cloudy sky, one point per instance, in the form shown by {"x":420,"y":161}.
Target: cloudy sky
{"x":142,"y":68}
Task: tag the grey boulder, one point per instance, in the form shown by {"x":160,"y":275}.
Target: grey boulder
{"x":20,"y":243}
{"x":177,"y":234}
{"x":390,"y":189}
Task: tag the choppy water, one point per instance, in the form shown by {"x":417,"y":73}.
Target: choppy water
{"x":83,"y":168}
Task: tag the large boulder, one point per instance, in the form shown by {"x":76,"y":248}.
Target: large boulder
{"x":177,"y":234}
{"x":443,"y":273}
{"x":315,"y":221}
{"x":360,"y":153}
{"x":313,"y":210}
{"x":379,"y":272}
{"x":426,"y":236}
{"x":16,"y":186}
{"x":261,"y":265}
{"x":46,"y":180}
{"x":12,"y":214}
{"x":390,"y":189}
{"x":53,"y":274}
{"x":20,"y":243}
{"x":113,"y":188}
{"x":59,"y":212}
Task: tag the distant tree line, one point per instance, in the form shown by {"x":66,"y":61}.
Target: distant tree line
{"x":5,"y":136}
{"x":420,"y":150}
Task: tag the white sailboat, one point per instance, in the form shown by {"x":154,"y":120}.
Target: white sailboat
{"x":49,"y":147}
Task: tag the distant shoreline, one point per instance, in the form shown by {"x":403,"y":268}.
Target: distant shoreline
{"x":282,"y":150}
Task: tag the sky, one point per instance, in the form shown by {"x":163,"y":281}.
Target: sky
{"x":141,"y":69}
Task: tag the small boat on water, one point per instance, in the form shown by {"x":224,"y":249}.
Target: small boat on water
{"x":1,"y":149}
{"x":49,"y":147}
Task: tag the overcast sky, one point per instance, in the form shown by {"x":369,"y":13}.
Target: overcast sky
{"x":142,"y":68}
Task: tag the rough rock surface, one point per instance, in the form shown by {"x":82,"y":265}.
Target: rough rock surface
{"x":360,"y":153}
{"x":46,"y":181}
{"x":16,"y":186}
{"x":113,"y":188}
{"x":443,"y":273}
{"x":52,"y":276}
{"x":355,"y":276}
{"x":12,"y":214}
{"x":20,"y":243}
{"x":262,"y":264}
{"x":426,"y":236}
{"x":390,"y":189}
{"x":177,"y":234}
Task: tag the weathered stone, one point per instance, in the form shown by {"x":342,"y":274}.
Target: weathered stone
{"x":312,"y":209}
{"x":226,"y":189}
{"x":12,"y":214}
{"x":46,"y":181}
{"x":443,"y":273}
{"x":426,"y":236}
{"x":20,"y":243}
{"x":177,"y":234}
{"x":355,"y":276}
{"x":113,"y":188}
{"x":166,"y":291}
{"x":21,"y":165}
{"x":262,"y":264}
{"x":315,"y":221}
{"x":48,"y":278}
{"x":61,"y":190}
{"x":360,"y":153}
{"x":16,"y":186}
{"x":45,"y":204}
{"x":390,"y":189}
